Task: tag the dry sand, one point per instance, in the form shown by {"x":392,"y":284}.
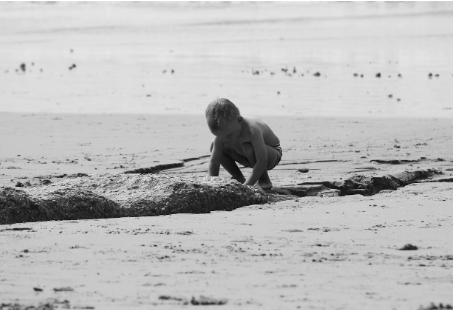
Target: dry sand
{"x":308,"y":253}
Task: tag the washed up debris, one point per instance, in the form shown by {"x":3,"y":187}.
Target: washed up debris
{"x":195,"y":158}
{"x":394,"y":161}
{"x":156,"y":169}
{"x":293,"y":230}
{"x":122,"y":195}
{"x":436,"y":180}
{"x":205,"y":301}
{"x":49,"y":304}
{"x":408,"y":247}
{"x":433,"y":306}
{"x":182,"y":300}
{"x":63,"y":289}
{"x":367,"y":185}
{"x":360,"y":184}
{"x":303,"y":190}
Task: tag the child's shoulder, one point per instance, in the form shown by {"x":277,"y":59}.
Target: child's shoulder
{"x":254,"y":122}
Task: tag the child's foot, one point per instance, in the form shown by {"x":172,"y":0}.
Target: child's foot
{"x":264,"y":181}
{"x":265,"y":184}
{"x":239,"y":178}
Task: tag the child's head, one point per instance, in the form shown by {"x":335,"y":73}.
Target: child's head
{"x":221,"y":112}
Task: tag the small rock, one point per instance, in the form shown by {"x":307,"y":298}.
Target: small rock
{"x":317,"y":74}
{"x":19,"y":184}
{"x":408,"y":247}
{"x":303,"y":170}
{"x":37,"y":289}
{"x":378,"y":75}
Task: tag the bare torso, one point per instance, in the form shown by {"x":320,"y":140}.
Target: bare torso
{"x":250,"y":124}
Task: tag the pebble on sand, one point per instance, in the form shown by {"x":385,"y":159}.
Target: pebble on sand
{"x":19,"y":184}
{"x":408,"y":247}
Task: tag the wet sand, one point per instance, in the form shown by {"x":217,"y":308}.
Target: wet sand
{"x":310,"y":252}
{"x":97,"y":95}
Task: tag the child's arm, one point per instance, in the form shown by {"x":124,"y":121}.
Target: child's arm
{"x":257,"y":140}
{"x":216,"y":155}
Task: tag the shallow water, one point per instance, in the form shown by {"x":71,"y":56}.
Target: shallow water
{"x":124,"y":54}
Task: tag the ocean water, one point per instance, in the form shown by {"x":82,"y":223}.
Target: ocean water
{"x":379,"y":59}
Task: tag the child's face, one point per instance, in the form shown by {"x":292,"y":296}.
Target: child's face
{"x":228,"y":131}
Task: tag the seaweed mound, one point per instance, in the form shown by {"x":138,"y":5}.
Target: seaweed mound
{"x":358,"y":184}
{"x":366,"y":185}
{"x":120,"y":195}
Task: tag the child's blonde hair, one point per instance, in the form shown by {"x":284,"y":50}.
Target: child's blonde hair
{"x":219,"y":112}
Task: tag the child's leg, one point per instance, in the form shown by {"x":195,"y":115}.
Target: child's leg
{"x":228,"y":161}
{"x":264,"y":181}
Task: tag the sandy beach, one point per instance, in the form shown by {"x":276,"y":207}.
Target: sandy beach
{"x":351,"y":89}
